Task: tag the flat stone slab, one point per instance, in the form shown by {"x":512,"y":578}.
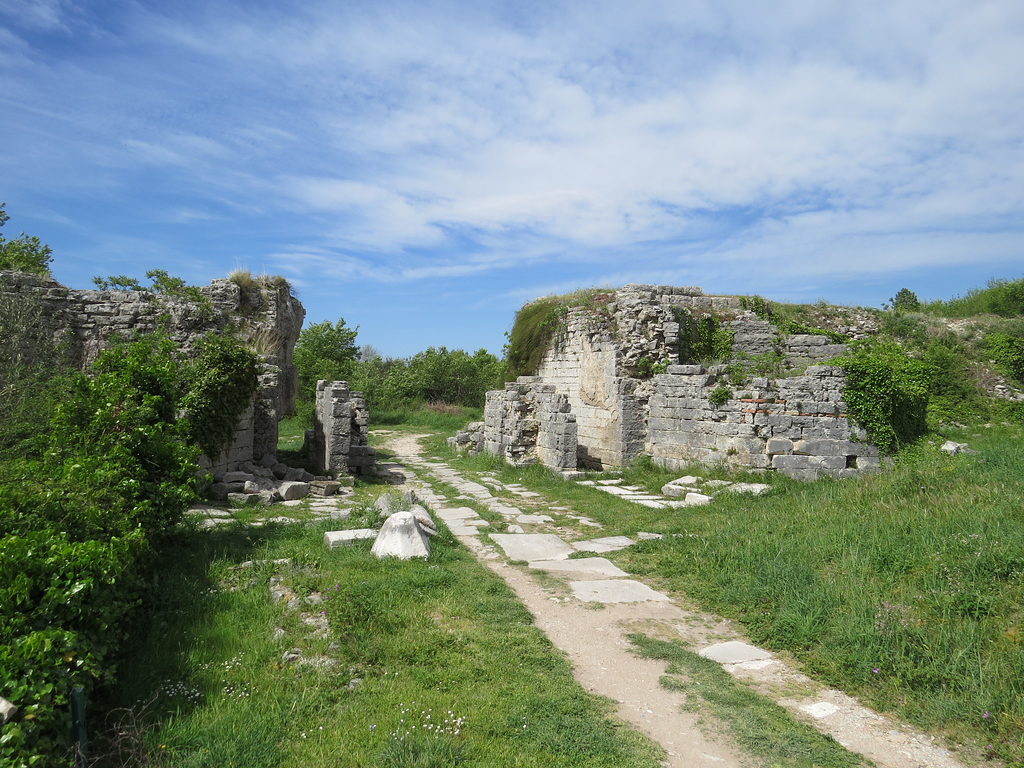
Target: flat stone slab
{"x":334,"y":539}
{"x":532,"y":546}
{"x":735,"y":652}
{"x":615,"y":591}
{"x":607,"y":544}
{"x":456,"y":513}
{"x":535,"y":519}
{"x":586,"y":567}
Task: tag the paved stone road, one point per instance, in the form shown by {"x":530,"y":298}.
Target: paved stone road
{"x":596,"y":642}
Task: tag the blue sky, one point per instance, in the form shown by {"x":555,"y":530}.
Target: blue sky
{"x":422,"y":169}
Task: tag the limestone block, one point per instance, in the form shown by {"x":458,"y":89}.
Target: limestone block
{"x":779,"y":445}
{"x":401,"y":536}
{"x":693,"y":499}
{"x":334,"y":539}
{"x":291,"y":490}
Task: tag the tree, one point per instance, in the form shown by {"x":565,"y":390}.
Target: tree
{"x":905,"y":301}
{"x":324,"y":351}
{"x":23,"y":253}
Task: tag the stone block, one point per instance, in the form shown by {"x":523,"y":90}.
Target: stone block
{"x":291,"y":490}
{"x":333,"y":539}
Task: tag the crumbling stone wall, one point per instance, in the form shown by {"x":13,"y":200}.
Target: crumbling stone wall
{"x":338,"y":445}
{"x":796,"y":425}
{"x":605,"y":363}
{"x":266,"y":316}
{"x":530,"y":422}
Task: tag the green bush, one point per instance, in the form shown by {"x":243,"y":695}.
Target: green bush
{"x":24,"y":253}
{"x":702,"y":339}
{"x":886,"y":392}
{"x":1008,"y":352}
{"x":86,"y":505}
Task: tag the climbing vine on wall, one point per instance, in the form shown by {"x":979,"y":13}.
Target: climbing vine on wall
{"x":222,"y":380}
{"x":702,"y":339}
{"x":886,"y":393}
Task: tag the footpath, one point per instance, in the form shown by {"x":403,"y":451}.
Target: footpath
{"x":588,"y":606}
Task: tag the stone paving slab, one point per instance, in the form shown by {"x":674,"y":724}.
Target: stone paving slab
{"x":734,"y":652}
{"x":532,"y":546}
{"x":606,"y":544}
{"x":334,"y":539}
{"x":535,"y":519}
{"x":586,"y":567}
{"x":615,"y":591}
{"x":456,"y":513}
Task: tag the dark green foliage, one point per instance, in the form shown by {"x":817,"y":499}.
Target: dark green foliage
{"x":325,"y":351}
{"x":886,"y":392}
{"x":720,"y":395}
{"x":84,"y":505}
{"x":221,"y":382}
{"x":531,"y":334}
{"x":702,"y":339}
{"x":118,"y":283}
{"x":905,"y":300}
{"x":31,"y":355}
{"x":24,"y":253}
{"x":759,"y":305}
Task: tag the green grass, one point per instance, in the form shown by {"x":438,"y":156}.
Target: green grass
{"x":905,"y":588}
{"x":410,"y":645}
{"x":758,"y":725}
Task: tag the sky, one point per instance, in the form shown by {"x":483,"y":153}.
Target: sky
{"x":423,"y":169}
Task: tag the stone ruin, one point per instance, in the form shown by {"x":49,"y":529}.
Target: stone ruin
{"x":338,"y":443}
{"x":267,"y":317}
{"x":597,"y":402}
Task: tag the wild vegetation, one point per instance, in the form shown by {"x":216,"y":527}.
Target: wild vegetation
{"x":435,"y":379}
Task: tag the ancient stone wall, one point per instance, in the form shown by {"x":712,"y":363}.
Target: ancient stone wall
{"x":339,"y":441}
{"x":266,"y":316}
{"x":604,"y":361}
{"x":530,"y":422}
{"x":796,"y":425}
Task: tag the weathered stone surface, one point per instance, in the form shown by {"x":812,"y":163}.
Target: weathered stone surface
{"x":334,"y":539}
{"x":291,"y":490}
{"x":615,"y":591}
{"x":401,"y":536}
{"x":324,"y":487}
{"x":532,"y":546}
{"x":585,"y":568}
{"x":606,"y":544}
{"x":7,"y":710}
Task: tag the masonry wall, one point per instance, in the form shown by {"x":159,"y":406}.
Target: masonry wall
{"x":795,"y":425}
{"x":268,"y":318}
{"x":602,"y":362}
{"x":530,"y":422}
{"x":340,"y":431}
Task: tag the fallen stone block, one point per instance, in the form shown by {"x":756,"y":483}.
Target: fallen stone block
{"x":292,"y":489}
{"x":334,"y":539}
{"x":243,"y":499}
{"x":694,"y":499}
{"x":324,"y":487}
{"x":401,"y":536}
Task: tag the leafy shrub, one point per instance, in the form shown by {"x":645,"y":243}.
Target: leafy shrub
{"x":702,"y":339}
{"x":1004,"y":298}
{"x":905,"y":300}
{"x":1008,"y":352}
{"x":90,"y":501}
{"x":886,"y":392}
{"x":720,"y":395}
{"x":24,"y":253}
{"x":222,"y":380}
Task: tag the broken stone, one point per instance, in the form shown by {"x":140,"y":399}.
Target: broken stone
{"x":424,"y":519}
{"x":7,"y":710}
{"x":401,"y":536}
{"x":324,"y":487}
{"x":334,"y":539}
{"x":291,"y":490}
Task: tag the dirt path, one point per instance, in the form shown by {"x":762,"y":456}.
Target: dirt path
{"x":594,"y":636}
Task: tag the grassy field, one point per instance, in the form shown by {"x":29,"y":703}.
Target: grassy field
{"x":905,"y":588}
{"x":360,"y":662}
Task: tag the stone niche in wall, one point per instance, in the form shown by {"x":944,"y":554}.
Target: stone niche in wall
{"x":263,"y":314}
{"x":615,"y":376}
